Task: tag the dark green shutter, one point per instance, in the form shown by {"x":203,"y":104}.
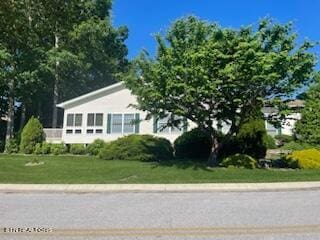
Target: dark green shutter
{"x":109,"y":123}
{"x":155,"y":123}
{"x":185,"y":124}
{"x":137,"y":123}
{"x":280,"y":130}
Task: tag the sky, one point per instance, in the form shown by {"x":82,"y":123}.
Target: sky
{"x":144,"y":18}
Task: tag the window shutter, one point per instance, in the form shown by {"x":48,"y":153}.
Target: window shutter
{"x":109,"y":123}
{"x":137,"y":123}
{"x":185,"y":124}
{"x":155,"y":123}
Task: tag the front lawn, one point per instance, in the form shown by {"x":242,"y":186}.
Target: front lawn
{"x":78,"y":169}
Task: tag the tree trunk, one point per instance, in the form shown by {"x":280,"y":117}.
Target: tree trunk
{"x":213,"y":157}
{"x":55,"y":87}
{"x":10,"y":114}
{"x":23,"y":116}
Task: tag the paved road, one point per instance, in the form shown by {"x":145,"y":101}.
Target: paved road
{"x":211,"y":215}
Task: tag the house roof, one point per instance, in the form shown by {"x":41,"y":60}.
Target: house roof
{"x":92,"y":95}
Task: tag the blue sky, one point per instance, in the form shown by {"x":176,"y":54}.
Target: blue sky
{"x":146,"y":17}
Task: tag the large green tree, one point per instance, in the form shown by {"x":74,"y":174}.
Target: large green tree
{"x":308,"y":127}
{"x":209,"y":74}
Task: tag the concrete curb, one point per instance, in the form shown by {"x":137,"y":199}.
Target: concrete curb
{"x":202,"y":187}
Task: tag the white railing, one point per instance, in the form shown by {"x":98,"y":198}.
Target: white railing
{"x":53,"y":133}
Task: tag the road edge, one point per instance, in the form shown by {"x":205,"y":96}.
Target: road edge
{"x":201,"y":187}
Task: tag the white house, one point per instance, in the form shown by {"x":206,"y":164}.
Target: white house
{"x":106,"y":114}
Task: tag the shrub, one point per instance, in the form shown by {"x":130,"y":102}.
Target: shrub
{"x":46,"y":148}
{"x":193,"y":144}
{"x":38,"y":149}
{"x":32,"y":134}
{"x":240,"y":161}
{"x":11,"y":146}
{"x":78,"y":149}
{"x":251,"y":138}
{"x":296,"y":146}
{"x":137,"y":147}
{"x":305,"y":159}
{"x":283,"y":139}
{"x":58,"y":148}
{"x":95,"y":147}
{"x":269,"y":142}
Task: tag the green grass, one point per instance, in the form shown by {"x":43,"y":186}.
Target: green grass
{"x":75,"y":169}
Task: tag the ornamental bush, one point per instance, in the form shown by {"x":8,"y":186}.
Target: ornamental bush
{"x":239,"y":161}
{"x":95,"y":147}
{"x":58,"y":148}
{"x":32,"y":134}
{"x":11,"y":146}
{"x":137,"y":147}
{"x":305,"y":159}
{"x":78,"y":149}
{"x":297,"y":145}
{"x":251,"y":139}
{"x":193,"y":144}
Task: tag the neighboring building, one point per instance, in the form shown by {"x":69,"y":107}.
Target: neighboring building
{"x":106,"y":114}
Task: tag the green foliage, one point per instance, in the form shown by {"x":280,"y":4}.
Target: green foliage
{"x":308,"y":127}
{"x":283,"y":139}
{"x":138,"y":147}
{"x":297,"y":145}
{"x":38,"y":149}
{"x":78,"y":149}
{"x":11,"y":146}
{"x":32,"y":134}
{"x":269,"y":142}
{"x":207,"y":73}
{"x":240,"y":161}
{"x":46,"y":148}
{"x":95,"y":147}
{"x":305,"y":159}
{"x":58,"y":149}
{"x":193,"y":144}
{"x":251,"y":138}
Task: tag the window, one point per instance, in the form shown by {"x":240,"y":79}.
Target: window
{"x":271,"y":129}
{"x":98,"y":131}
{"x":128,"y":123}
{"x":74,"y":120}
{"x":163,"y":128}
{"x":78,"y":120}
{"x":123,"y":123}
{"x":90,"y":131}
{"x":162,"y":125}
{"x":99,"y":120}
{"x":69,"y":131}
{"x":90,"y":120}
{"x":95,"y":119}
{"x":70,"y":120}
{"x":116,"y":123}
{"x":77,"y":131}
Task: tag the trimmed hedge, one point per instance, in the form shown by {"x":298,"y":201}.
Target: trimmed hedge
{"x":95,"y":147}
{"x":193,"y":144}
{"x":78,"y":149}
{"x":240,"y":161}
{"x":305,"y":159}
{"x":58,"y":149}
{"x":138,"y":147}
{"x":32,"y":134}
